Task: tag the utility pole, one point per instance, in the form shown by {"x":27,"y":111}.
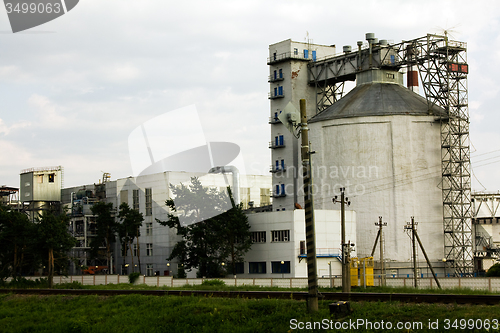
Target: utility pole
{"x":380,"y":224}
{"x":312,"y":277}
{"x":412,"y":226}
{"x":346,"y":248}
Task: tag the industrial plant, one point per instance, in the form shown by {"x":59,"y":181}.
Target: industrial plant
{"x":388,"y":128}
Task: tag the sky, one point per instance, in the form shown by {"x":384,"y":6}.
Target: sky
{"x":72,"y":90}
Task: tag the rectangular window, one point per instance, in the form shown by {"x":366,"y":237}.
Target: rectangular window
{"x":275,"y":91}
{"x":239,"y":268}
{"x":265,"y":197}
{"x":295,"y":51}
{"x":149,"y":229}
{"x":277,"y":191}
{"x":282,"y":164}
{"x":281,"y":267}
{"x":135,"y":199}
{"x":258,"y":236}
{"x":124,"y":196}
{"x":281,"y":73}
{"x":149,"y":201}
{"x":280,"y":235}
{"x":245,"y":196}
{"x":149,"y":249}
{"x":277,"y":165}
{"x":282,"y":190}
{"x":275,"y":75}
{"x":149,"y":269}
{"x":314,"y":55}
{"x":280,"y":91}
{"x":40,"y":179}
{"x":257,"y":267}
{"x":302,"y":247}
{"x":276,"y":141}
{"x":281,"y":140}
{"x":306,"y":54}
{"x":51,"y":177}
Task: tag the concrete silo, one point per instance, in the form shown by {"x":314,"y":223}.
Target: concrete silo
{"x":382,"y":143}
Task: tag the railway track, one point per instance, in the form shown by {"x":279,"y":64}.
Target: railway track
{"x":297,"y":295}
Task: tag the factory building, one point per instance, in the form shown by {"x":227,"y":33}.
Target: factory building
{"x":398,"y":154}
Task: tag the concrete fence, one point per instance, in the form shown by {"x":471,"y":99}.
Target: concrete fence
{"x":478,"y":283}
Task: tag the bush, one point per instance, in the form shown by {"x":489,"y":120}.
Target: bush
{"x":214,"y":282}
{"x":68,"y":285}
{"x":133,"y":277}
{"x":20,"y":282}
{"x":493,"y":271}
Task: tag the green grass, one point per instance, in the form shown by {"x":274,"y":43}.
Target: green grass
{"x":137,"y":313}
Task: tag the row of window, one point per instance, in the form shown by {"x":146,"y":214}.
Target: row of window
{"x":258,"y":267}
{"x":148,"y":199}
{"x":276,"y":236}
{"x":277,"y":267}
{"x":149,"y":250}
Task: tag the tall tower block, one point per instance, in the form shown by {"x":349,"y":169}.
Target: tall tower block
{"x":288,"y":81}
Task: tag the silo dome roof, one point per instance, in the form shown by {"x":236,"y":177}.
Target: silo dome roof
{"x":378,"y":99}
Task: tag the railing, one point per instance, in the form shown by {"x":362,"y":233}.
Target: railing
{"x":271,"y":78}
{"x":274,"y":120}
{"x":278,"y":169}
{"x":285,"y":56}
{"x":273,"y":145}
{"x":274,"y":96}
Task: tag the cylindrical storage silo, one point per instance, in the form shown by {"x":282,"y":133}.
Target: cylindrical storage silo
{"x":383,"y":145}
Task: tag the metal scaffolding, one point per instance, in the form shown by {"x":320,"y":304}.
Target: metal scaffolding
{"x":443,"y":69}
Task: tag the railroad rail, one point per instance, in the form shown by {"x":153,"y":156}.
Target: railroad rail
{"x":296,"y":295}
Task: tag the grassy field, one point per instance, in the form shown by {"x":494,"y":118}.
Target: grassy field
{"x":137,"y":313}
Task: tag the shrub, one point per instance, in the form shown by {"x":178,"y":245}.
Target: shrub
{"x":493,"y":271}
{"x":133,"y":277}
{"x":20,"y":282}
{"x":214,"y":282}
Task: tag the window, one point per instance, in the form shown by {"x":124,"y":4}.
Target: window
{"x":239,"y":268}
{"x":149,"y":249}
{"x":27,"y":184}
{"x":258,"y":236}
{"x":149,"y":269}
{"x":135,"y":250}
{"x":314,"y":55}
{"x":265,"y":197}
{"x":275,"y":75}
{"x":135,"y":199}
{"x":149,"y":229}
{"x":295,"y":51}
{"x":124,"y":196}
{"x":280,"y":91}
{"x":275,"y":91}
{"x":280,"y":235}
{"x":280,"y":73}
{"x":245,"y":196}
{"x":302,"y":247}
{"x":257,"y":267}
{"x":149,"y":201}
{"x":40,"y":179}
{"x":306,"y":54}
{"x":51,"y":177}
{"x":274,"y":55}
{"x":281,"y":267}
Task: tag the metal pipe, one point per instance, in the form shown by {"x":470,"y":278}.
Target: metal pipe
{"x":236,"y":179}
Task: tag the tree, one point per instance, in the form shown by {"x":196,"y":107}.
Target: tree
{"x":17,"y":253}
{"x":128,"y":229}
{"x":207,"y":244}
{"x":106,"y":228}
{"x":54,"y":240}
